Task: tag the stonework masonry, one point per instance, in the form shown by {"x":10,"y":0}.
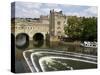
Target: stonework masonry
{"x":52,"y":24}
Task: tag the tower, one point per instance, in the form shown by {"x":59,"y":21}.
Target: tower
{"x":56,"y":24}
{"x":51,"y":23}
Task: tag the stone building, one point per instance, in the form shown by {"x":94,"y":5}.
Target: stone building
{"x":52,"y":24}
{"x":56,"y":24}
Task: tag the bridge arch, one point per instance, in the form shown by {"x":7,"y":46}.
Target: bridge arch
{"x":38,"y":39}
{"x":38,"y":36}
{"x":22,"y":40}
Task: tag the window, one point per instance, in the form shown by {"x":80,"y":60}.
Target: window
{"x":27,"y":27}
{"x":19,"y":27}
{"x":31,"y":27}
{"x":59,"y":32}
{"x":58,"y":22}
{"x":58,"y":28}
{"x":22,"y":27}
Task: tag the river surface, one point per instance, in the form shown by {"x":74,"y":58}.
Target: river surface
{"x":21,"y":65}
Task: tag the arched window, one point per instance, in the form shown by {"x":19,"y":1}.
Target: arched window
{"x":28,"y":27}
{"x":58,"y":22}
{"x":59,"y":32}
{"x":58,"y":28}
{"x":22,"y":27}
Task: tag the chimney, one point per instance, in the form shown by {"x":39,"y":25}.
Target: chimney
{"x":60,"y":12}
{"x":52,"y":11}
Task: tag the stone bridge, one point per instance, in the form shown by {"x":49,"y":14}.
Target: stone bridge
{"x":31,"y":30}
{"x":37,"y":29}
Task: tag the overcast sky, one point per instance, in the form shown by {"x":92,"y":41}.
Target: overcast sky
{"x":34,"y":10}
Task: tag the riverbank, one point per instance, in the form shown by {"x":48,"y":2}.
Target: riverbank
{"x":71,"y":43}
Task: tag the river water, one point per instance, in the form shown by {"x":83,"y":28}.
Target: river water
{"x":70,"y":47}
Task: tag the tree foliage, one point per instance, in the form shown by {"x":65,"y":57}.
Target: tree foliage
{"x":89,"y":29}
{"x":81,"y":28}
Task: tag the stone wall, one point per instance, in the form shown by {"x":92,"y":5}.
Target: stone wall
{"x":52,"y":24}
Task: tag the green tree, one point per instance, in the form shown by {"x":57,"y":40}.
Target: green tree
{"x":82,"y":28}
{"x":73,"y":30}
{"x":89,"y":29}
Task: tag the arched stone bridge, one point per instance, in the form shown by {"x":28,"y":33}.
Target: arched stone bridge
{"x":30,"y":30}
{"x":36,"y":29}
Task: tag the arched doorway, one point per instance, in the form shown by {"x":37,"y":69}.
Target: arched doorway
{"x":22,"y":40}
{"x":38,"y":40}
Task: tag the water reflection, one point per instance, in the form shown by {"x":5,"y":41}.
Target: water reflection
{"x":59,"y":46}
{"x":72,"y":48}
{"x":38,"y":43}
{"x":38,"y":40}
{"x":22,"y":41}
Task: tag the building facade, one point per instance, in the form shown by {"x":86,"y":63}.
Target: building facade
{"x":52,"y":24}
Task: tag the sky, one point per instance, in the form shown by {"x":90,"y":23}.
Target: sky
{"x":34,"y":10}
